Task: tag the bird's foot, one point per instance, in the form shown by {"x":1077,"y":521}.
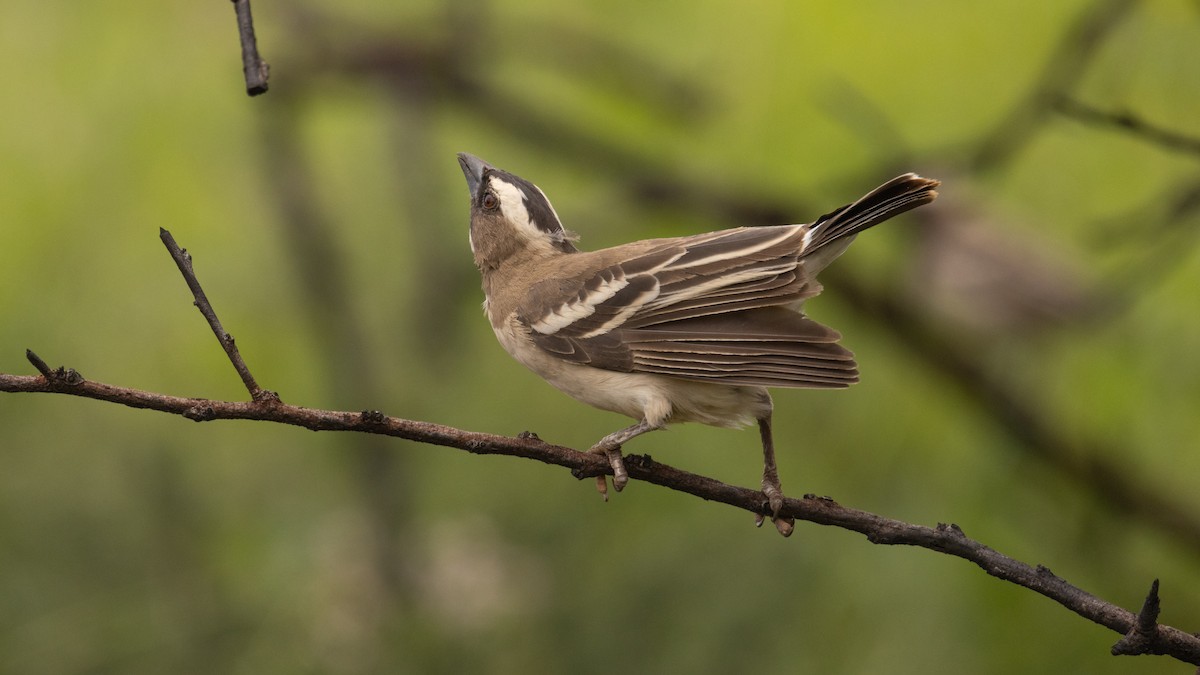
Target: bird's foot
{"x":774,"y":494}
{"x":773,"y":491}
{"x":617,"y":462}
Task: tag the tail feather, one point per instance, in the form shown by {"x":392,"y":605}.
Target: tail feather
{"x":894,"y":197}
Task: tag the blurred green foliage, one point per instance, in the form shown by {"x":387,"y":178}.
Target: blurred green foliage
{"x":134,"y":542}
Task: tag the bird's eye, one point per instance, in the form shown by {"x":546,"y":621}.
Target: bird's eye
{"x":489,"y":201}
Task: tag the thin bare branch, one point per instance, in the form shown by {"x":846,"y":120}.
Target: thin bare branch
{"x":255,"y":69}
{"x":184,"y":260}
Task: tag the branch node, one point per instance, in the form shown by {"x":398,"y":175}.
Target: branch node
{"x":69,"y":376}
{"x":475,"y":446}
{"x":953,"y":529}
{"x":1043,"y":571}
{"x":372,"y":418}
{"x":528,"y":436}
{"x":266,"y":397}
{"x":1142,"y":638}
{"x":640,"y":461}
{"x":200,"y":413}
{"x":59,"y":378}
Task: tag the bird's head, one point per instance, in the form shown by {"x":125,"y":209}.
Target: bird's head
{"x":509,"y":215}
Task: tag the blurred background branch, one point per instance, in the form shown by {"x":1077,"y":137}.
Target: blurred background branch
{"x":1067,"y":64}
{"x":1129,"y":123}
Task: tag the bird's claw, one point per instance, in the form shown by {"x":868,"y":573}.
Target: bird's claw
{"x":784,"y":525}
{"x":617,"y":462}
{"x":774,"y":494}
{"x":620,"y":476}
{"x":602,"y":486}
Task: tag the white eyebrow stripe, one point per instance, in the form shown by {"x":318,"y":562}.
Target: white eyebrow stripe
{"x":512,"y":204}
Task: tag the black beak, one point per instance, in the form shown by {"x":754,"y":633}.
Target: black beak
{"x":472,"y":168}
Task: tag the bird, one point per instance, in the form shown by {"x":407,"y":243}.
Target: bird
{"x":693,"y":328}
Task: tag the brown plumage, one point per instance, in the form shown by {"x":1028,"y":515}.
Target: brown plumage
{"x":668,"y":330}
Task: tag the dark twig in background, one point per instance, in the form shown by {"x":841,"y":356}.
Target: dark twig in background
{"x":1064,"y":68}
{"x":319,"y":269}
{"x":1143,"y":633}
{"x":255,"y":69}
{"x":1153,"y":252}
{"x":1130,"y":123}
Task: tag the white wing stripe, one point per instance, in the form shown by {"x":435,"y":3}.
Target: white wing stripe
{"x":635,"y":305}
{"x":654,"y":297}
{"x":808,"y":237}
{"x":716,"y":283}
{"x":581,"y":308}
{"x":739,"y":252}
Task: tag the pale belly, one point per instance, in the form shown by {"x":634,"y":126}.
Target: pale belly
{"x":655,"y":398}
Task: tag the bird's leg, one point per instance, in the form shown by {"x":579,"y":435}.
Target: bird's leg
{"x":610,"y":446}
{"x":771,"y":488}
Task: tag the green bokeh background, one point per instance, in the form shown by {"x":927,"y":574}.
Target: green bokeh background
{"x":136,"y":542}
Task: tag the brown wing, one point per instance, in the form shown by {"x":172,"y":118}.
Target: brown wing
{"x":706,"y":308}
{"x":720,"y":307}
